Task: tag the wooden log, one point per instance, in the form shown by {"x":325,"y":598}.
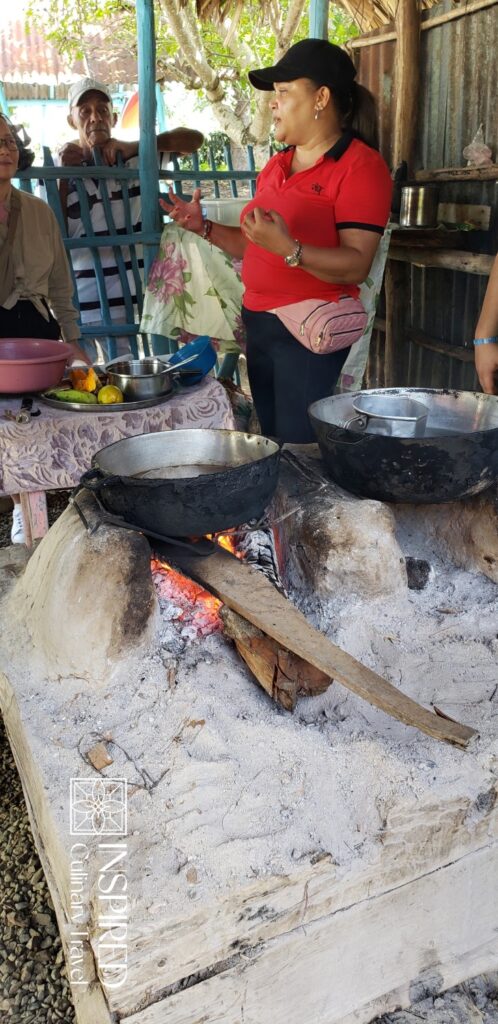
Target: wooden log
{"x":251,"y":595}
{"x":283,"y":674}
{"x":453,"y":259}
{"x":407,"y":77}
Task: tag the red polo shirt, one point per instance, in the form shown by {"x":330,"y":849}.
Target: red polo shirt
{"x":348,"y":187}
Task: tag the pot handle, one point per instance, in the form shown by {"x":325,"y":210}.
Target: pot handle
{"x":94,"y":480}
{"x":360,"y":422}
{"x":335,"y":435}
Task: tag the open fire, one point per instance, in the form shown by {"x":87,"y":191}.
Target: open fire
{"x":189,"y":607}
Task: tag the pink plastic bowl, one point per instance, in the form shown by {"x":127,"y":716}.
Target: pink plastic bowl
{"x":31,"y":364}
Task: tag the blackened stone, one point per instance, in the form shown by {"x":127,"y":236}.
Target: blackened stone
{"x":418,"y":572}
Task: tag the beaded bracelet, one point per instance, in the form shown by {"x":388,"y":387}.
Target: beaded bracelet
{"x":206,"y":230}
{"x":486,"y":341}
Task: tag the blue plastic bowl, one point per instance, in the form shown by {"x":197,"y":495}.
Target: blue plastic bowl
{"x":206,"y":358}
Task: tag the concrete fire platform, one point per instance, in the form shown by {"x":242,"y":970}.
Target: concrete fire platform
{"x":313,"y":868}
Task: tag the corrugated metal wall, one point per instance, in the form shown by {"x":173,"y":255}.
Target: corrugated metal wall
{"x":458,"y":92}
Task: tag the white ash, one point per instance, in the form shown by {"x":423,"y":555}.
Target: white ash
{"x":233,"y":786}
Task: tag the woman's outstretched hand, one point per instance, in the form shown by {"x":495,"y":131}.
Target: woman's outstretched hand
{"x":186,"y":215}
{"x":269,"y":230}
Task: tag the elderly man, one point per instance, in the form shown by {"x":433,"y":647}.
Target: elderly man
{"x":92,"y":115}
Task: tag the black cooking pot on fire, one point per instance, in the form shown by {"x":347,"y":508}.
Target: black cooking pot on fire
{"x":415,"y":445}
{"x":186,"y":483}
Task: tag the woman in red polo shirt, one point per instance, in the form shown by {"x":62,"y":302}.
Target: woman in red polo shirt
{"x":312,"y":229}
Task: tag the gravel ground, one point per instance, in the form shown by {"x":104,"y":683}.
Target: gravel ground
{"x":33,"y":985}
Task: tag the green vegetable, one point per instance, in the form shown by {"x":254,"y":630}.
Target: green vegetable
{"x":70,"y":395}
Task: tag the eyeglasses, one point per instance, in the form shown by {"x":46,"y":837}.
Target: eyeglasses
{"x":9,"y":144}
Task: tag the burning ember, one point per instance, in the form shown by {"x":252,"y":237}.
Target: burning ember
{"x":186,"y":604}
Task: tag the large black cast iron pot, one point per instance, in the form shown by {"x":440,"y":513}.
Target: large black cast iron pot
{"x":456,"y":454}
{"x":186,"y":483}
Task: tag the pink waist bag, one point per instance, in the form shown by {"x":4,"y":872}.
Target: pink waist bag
{"x":324,"y":327}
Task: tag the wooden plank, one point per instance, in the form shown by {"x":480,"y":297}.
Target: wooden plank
{"x":453,"y":259}
{"x":465,"y":355}
{"x":406,"y":81}
{"x":351,"y":966}
{"x":489,"y":173}
{"x":35,"y":515}
{"x":251,"y":595}
{"x":429,"y":238}
{"x":396,"y":286}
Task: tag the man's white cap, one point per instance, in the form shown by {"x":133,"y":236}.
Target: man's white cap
{"x":83,"y":85}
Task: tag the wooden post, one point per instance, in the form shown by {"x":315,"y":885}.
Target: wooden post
{"x":396,"y":284}
{"x":147,"y":154}
{"x":319,"y":19}
{"x":406,"y":80}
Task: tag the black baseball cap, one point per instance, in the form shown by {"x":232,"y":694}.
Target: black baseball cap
{"x":317,"y":59}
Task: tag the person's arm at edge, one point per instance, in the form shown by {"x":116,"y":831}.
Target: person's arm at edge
{"x":486,"y":356}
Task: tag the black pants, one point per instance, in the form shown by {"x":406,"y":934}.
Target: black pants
{"x":285,"y":377}
{"x":24,"y":321}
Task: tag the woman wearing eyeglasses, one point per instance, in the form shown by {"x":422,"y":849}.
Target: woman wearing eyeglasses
{"x":35,"y":282}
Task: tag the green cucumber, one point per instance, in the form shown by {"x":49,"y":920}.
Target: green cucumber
{"x":70,"y":395}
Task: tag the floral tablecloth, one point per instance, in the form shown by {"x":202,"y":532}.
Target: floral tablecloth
{"x":193,"y":289}
{"x":54,"y":449}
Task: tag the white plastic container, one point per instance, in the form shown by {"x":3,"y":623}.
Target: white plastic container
{"x":224,"y":211}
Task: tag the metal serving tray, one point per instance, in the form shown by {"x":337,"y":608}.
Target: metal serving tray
{"x":144,"y":403}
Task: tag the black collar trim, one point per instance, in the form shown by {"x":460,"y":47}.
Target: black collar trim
{"x":337,"y":150}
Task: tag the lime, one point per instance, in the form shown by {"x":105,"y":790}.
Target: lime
{"x":110,"y":395}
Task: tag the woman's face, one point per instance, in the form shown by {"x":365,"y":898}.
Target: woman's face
{"x":293,"y":110}
{"x":9,"y":153}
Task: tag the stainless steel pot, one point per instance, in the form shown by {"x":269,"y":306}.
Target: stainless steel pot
{"x":419,"y":206}
{"x":389,"y":415}
{"x":140,"y":378}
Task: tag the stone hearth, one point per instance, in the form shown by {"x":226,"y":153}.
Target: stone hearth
{"x":311,"y":868}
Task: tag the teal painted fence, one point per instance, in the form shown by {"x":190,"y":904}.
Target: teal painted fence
{"x":48,"y":176}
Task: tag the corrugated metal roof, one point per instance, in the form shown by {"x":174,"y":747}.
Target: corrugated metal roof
{"x":27,"y":58}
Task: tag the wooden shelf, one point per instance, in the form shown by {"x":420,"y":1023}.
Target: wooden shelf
{"x":465,"y":355}
{"x":428,"y":238}
{"x":446,"y":259}
{"x":459,"y":174}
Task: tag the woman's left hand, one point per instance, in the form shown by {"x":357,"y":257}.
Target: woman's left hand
{"x":267,"y":229}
